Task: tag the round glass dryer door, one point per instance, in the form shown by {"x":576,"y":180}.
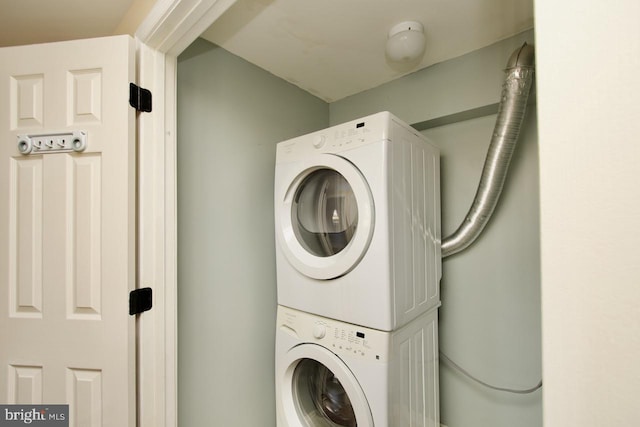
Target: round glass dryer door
{"x":327,"y":218}
{"x":324,"y":213}
{"x":322,"y":391}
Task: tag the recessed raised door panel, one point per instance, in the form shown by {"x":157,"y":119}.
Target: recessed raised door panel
{"x":84,"y":96}
{"x":25,"y":238}
{"x":27,"y":101}
{"x":25,"y":384}
{"x":84,"y":394}
{"x":84,"y":292}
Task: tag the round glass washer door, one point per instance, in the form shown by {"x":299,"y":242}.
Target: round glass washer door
{"x":326,"y":218}
{"x":320,"y":391}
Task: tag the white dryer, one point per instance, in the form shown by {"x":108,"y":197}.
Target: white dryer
{"x":335,"y":374}
{"x":357,"y":218}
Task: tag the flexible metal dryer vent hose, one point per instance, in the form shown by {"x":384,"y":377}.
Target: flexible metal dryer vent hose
{"x":515,"y":93}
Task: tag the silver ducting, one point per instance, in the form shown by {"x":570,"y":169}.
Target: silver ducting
{"x":515,"y":94}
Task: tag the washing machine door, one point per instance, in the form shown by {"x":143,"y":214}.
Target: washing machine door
{"x":319,"y":390}
{"x":326,"y":217}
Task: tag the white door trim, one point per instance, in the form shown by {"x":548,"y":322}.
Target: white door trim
{"x":169,"y":28}
{"x":172,"y":25}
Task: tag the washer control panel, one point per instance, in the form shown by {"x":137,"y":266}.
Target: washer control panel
{"x":343,"y":339}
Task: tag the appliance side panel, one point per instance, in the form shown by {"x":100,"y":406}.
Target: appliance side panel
{"x":435,"y":221}
{"x":414,"y":392}
{"x":400,"y":224}
{"x":414,"y":173}
{"x":432,"y":368}
{"x":431,"y":221}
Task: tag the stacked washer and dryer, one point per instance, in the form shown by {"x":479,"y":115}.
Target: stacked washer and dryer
{"x":357,"y":216}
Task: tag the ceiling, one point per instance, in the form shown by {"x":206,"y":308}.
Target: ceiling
{"x":335,"y":48}
{"x":330,"y":48}
{"x":39,"y":21}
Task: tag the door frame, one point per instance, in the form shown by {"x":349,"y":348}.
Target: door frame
{"x":169,"y":28}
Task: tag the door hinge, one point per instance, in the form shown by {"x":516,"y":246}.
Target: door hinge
{"x":140,"y":300}
{"x":139,"y":98}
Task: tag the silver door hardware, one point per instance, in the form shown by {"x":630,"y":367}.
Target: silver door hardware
{"x":52,"y":143}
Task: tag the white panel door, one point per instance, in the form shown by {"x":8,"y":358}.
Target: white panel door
{"x":67,"y":230}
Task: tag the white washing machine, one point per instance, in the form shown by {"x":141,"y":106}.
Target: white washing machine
{"x":335,"y":374}
{"x":357,"y":217}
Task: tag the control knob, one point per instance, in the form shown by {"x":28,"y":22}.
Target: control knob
{"x":319,"y":331}
{"x":319,"y":141}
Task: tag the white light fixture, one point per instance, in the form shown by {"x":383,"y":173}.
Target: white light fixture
{"x":406,"y":42}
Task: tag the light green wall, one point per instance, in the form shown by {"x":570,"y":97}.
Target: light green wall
{"x":490,"y":315}
{"x":464,"y":83}
{"x":230,"y":116}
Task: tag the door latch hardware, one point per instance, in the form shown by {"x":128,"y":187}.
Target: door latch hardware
{"x":139,"y":98}
{"x":140,"y":300}
{"x":53,"y":142}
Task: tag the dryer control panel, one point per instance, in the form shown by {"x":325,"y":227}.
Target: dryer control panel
{"x":342,"y":137}
{"x":343,"y":339}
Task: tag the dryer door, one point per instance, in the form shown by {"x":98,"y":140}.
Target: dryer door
{"x":319,"y":390}
{"x":326,"y":217}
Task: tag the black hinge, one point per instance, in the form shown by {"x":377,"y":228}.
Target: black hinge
{"x":140,"y":300}
{"x":139,"y":98}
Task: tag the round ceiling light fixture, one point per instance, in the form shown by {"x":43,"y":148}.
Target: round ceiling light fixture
{"x":405,"y":42}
